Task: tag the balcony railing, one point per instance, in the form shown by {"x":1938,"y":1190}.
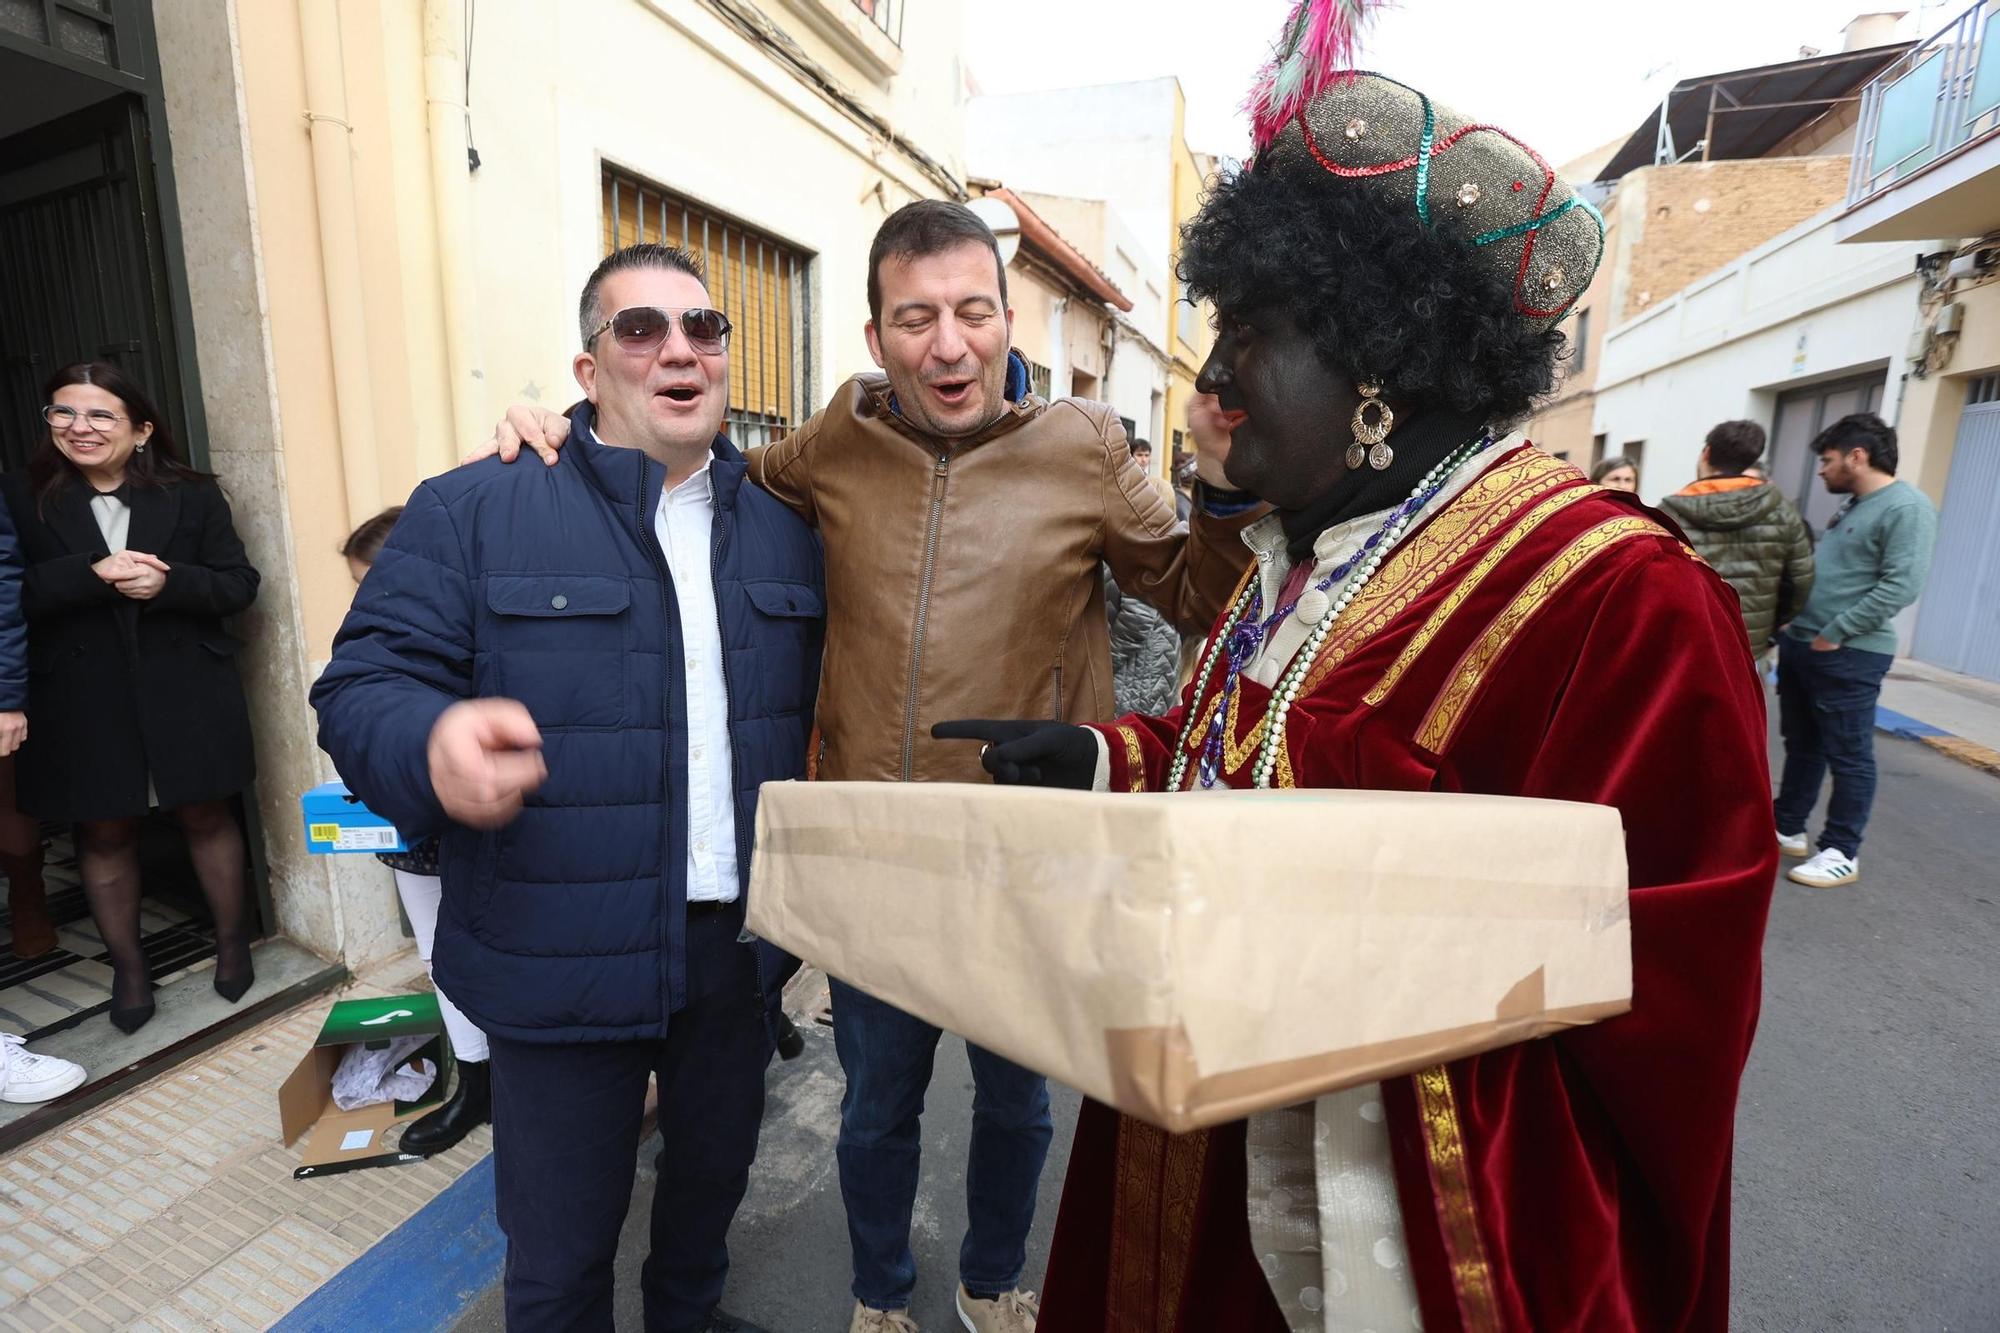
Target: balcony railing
{"x":1938,"y":97}
{"x":886,"y":15}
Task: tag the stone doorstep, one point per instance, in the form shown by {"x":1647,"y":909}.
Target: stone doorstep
{"x":179,"y":1208}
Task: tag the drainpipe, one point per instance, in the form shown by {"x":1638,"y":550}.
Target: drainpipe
{"x":340,"y":255}
{"x":451,"y":188}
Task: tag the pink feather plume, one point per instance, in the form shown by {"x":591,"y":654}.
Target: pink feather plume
{"x":1317,"y":44}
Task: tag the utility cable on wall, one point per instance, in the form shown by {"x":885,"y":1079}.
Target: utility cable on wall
{"x":750,"y":21}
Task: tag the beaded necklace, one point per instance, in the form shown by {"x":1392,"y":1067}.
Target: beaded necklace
{"x":1246,"y":630}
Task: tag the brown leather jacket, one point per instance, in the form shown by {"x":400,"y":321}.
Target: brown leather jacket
{"x":962,"y":577}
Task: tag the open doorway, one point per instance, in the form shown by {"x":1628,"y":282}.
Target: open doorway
{"x":89,"y":272}
{"x":1802,"y":415}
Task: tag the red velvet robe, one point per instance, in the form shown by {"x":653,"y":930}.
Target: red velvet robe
{"x":1538,"y":636}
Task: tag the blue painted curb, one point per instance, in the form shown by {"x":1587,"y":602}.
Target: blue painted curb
{"x":1902,"y":724}
{"x":420,"y":1277}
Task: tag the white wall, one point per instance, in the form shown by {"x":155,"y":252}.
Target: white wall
{"x":553,"y":99}
{"x":1112,"y":142}
{"x":1798,"y":309}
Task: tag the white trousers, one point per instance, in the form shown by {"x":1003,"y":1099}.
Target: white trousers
{"x":421,"y":895}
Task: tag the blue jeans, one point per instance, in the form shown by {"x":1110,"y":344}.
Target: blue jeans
{"x":1826,"y":711}
{"x":886,"y":1055}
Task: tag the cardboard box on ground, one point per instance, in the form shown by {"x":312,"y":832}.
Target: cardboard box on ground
{"x":1193,"y":959}
{"x":351,"y":1140}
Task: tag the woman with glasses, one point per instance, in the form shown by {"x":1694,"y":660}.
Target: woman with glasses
{"x":132,"y":565}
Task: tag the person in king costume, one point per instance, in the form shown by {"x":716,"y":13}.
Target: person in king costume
{"x":1433,"y":609}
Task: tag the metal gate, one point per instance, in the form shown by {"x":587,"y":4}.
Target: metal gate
{"x":1802,"y":415}
{"x":82,"y":276}
{"x":1959,"y":626}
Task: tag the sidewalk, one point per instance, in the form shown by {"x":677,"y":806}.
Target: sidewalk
{"x":174,"y":1206}
{"x":1956,"y":715}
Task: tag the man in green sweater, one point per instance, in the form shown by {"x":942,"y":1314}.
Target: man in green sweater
{"x":1831,"y":659}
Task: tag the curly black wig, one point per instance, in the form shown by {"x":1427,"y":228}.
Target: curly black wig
{"x":1383,"y":296}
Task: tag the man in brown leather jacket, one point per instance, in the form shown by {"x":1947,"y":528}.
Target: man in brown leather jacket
{"x":964,"y":521}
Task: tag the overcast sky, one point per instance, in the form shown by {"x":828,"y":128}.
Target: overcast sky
{"x":1565,"y":75}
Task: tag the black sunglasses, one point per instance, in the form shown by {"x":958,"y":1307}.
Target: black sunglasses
{"x":642,"y":328}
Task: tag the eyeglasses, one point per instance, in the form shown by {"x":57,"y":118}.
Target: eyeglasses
{"x":63,"y":417}
{"x":642,"y":328}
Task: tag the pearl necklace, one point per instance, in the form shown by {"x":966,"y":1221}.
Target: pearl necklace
{"x":1239,"y":641}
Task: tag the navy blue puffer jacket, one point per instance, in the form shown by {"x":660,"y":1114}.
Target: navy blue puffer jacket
{"x":547,"y":585}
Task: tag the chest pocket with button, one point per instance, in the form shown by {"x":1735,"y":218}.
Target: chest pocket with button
{"x":562,"y":645}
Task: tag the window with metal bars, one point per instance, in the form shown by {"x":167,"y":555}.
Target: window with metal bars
{"x":1983,"y":391}
{"x":759,"y":281}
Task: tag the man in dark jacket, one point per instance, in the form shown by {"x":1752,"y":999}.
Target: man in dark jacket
{"x":1747,"y":531}
{"x":579,"y":676}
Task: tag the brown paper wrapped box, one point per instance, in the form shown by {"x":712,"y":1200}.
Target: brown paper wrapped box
{"x":1193,"y":959}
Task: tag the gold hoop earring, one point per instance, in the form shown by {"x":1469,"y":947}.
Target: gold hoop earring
{"x":1370,"y":437}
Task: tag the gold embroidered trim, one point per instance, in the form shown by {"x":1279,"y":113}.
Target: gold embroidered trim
{"x":1443,"y":543}
{"x":1156,"y":1194}
{"x":1132,"y":1286}
{"x":1444,"y":716}
{"x":1453,"y":533}
{"x":1458,"y":1214}
{"x":1466,"y":587}
{"x":1135,"y":760}
{"x":1180,"y":1190}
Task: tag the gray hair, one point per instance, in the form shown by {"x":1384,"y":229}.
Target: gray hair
{"x":590,"y":312}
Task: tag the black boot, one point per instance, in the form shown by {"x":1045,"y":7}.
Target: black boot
{"x":469,"y":1107}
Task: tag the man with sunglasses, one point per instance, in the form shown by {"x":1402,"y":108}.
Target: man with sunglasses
{"x":580,"y":677}
{"x":965,"y":520}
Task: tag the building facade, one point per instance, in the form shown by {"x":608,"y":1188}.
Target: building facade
{"x":349,"y":233}
{"x":1125,"y":144}
{"x":1926,"y":174}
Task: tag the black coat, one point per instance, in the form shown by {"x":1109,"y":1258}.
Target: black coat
{"x":119,"y":689}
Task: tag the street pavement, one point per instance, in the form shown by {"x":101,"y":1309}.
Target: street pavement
{"x":1868,"y":1151}
{"x":1868,"y":1135}
{"x":788,"y":1251}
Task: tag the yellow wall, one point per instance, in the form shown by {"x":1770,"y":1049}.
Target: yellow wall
{"x":1927,"y":427}
{"x":1188,"y":356}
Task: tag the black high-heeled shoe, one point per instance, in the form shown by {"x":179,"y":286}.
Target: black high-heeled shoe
{"x":130,"y":1018}
{"x":232,"y":987}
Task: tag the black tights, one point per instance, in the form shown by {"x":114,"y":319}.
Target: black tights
{"x":108,"y":860}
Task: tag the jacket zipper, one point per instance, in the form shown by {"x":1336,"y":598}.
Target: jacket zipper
{"x":1056,"y":713}
{"x":649,"y":540}
{"x":938,"y":478}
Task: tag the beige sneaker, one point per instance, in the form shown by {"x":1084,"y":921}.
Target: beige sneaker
{"x":1009,"y":1312}
{"x":867,"y":1320}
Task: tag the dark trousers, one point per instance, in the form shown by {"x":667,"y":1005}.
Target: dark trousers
{"x":1826,"y":711}
{"x":887,"y":1056}
{"x":566,"y":1143}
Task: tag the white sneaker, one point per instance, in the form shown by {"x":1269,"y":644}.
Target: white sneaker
{"x":1827,"y":870}
{"x":1795,"y":845}
{"x":26,"y":1077}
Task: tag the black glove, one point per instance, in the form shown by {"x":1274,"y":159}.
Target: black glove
{"x":1029,"y":754}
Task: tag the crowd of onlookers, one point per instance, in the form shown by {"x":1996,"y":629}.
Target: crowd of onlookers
{"x":1829,"y":611}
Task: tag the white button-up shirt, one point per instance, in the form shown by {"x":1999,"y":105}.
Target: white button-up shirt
{"x":685,"y":526}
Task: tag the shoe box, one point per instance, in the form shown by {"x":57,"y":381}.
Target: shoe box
{"x":337,"y":1141}
{"x":336,"y":821}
